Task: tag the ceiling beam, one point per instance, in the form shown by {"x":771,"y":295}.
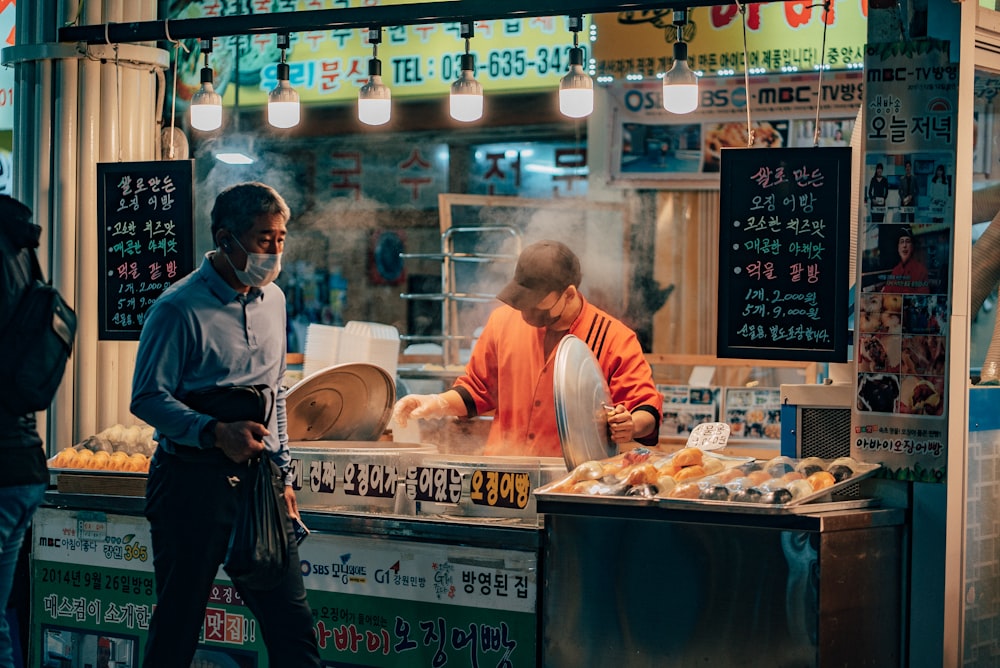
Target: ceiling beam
{"x":445,"y":11}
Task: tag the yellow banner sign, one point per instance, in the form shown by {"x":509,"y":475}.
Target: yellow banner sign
{"x":417,"y":60}
{"x":780,"y":37}
{"x":517,"y":54}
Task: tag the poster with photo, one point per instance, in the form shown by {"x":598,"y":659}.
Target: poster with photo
{"x":685,"y":407}
{"x":753,"y":414}
{"x":834,"y":132}
{"x":661,"y":148}
{"x":649,"y":143}
{"x":909,"y":187}
{"x":64,"y":647}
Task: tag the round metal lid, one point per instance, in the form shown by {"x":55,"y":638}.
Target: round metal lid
{"x":581,"y":396}
{"x":346,"y":402}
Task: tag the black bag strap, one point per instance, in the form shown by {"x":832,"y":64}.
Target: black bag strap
{"x":36,"y":274}
{"x":270,"y":396}
{"x":36,"y":268}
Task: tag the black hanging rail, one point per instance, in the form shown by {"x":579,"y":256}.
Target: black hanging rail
{"x":445,"y":11}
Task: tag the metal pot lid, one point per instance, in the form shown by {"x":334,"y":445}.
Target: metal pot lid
{"x":581,"y":396}
{"x":346,"y":402}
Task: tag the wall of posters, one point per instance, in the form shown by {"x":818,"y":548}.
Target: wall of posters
{"x":650,"y":143}
{"x":905,"y":239}
{"x":376,"y":602}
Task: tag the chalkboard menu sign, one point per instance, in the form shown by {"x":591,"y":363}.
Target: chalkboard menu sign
{"x":146,"y":242}
{"x":784,"y":231}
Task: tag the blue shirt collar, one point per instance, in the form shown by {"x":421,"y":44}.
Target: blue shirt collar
{"x":218,"y":286}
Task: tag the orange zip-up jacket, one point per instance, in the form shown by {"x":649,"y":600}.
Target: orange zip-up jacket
{"x":507,"y":373}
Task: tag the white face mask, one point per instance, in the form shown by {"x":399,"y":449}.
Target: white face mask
{"x":262,"y":268}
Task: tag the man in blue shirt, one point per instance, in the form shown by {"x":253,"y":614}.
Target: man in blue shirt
{"x":221,"y":326}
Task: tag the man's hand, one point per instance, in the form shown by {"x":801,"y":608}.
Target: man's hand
{"x":624,"y":426}
{"x":291,"y":503}
{"x":240,"y":440}
{"x":620,"y":424}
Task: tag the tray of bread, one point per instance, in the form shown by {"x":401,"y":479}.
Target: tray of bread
{"x":638,"y":476}
{"x":112,"y":462}
{"x":694,"y":479}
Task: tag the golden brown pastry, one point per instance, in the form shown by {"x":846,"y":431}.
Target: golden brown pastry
{"x":687,"y":457}
{"x":820,"y":480}
{"x":687,"y":491}
{"x":690,"y":473}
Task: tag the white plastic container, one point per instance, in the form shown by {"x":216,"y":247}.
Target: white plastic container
{"x":322,"y":348}
{"x":370,"y":343}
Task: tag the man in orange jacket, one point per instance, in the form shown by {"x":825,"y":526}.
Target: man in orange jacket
{"x":510,"y":370}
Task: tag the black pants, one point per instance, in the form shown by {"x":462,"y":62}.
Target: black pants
{"x":191,"y":507}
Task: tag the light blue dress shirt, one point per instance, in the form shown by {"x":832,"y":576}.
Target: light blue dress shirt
{"x":199,"y":334}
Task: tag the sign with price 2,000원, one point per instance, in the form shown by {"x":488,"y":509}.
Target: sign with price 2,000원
{"x":146,"y":242}
{"x":784,"y":231}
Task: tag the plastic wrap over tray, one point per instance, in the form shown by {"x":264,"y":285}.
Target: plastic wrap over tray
{"x":647,"y":478}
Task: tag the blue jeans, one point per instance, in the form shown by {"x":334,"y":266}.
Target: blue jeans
{"x":17,"y":506}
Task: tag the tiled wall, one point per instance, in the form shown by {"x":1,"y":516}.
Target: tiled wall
{"x":982,"y":552}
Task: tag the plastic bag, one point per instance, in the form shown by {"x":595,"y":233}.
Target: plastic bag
{"x":257,"y":556}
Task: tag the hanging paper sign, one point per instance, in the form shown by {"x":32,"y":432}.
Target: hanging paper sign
{"x":146,"y":242}
{"x":784,"y":230}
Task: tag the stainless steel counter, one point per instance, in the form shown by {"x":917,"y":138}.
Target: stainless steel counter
{"x":644,"y":586}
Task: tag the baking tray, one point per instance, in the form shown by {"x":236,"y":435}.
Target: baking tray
{"x":861,"y":471}
{"x":765,"y":508}
{"x":104,"y":472}
{"x":104,"y":483}
{"x":706,"y":505}
{"x":811,"y":503}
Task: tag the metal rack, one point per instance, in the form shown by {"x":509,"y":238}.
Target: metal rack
{"x":452,"y":259}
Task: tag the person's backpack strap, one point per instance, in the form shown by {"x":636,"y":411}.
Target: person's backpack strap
{"x":36,"y":268}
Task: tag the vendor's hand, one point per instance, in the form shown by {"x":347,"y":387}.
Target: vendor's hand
{"x":240,"y":440}
{"x":420,"y":407}
{"x":620,"y":424}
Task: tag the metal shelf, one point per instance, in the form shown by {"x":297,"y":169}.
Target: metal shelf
{"x":451,"y":296}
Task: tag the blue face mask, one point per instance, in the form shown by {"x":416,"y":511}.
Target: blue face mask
{"x":261,"y":269}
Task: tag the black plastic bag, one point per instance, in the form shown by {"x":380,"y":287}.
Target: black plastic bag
{"x":258,"y":546}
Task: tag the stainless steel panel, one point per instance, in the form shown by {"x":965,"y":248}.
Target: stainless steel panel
{"x":633,"y":592}
{"x":354,"y":476}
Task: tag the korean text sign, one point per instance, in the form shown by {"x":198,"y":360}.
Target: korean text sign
{"x":145,"y":212}
{"x":784,"y":230}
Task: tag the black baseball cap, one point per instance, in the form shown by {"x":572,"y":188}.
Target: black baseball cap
{"x":543,"y":267}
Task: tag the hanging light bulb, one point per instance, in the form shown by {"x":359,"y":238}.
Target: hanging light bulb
{"x":576,"y":89}
{"x":466,"y":93}
{"x":206,"y":104}
{"x":283,"y":102}
{"x":374,"y":98}
{"x":680,"y":84}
